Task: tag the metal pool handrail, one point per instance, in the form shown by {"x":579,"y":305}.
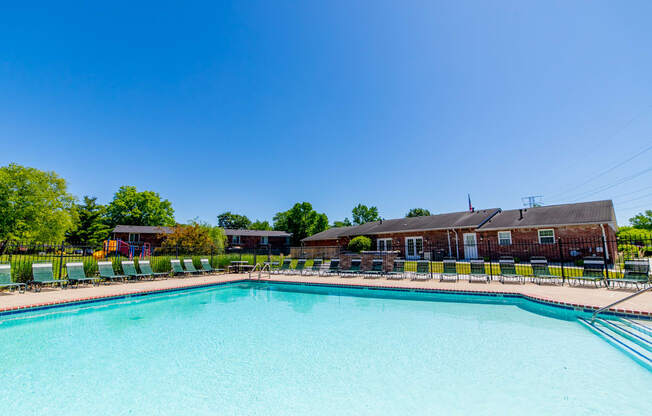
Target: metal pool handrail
{"x":617,"y":302}
{"x":261,"y":268}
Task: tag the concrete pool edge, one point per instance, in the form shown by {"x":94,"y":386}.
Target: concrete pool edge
{"x":627,"y":313}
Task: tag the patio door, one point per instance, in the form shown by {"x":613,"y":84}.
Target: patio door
{"x":470,"y":246}
{"x":413,"y":248}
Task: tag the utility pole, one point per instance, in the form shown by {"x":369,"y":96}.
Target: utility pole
{"x":531,"y":201}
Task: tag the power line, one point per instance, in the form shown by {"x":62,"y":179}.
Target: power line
{"x":635,"y":199}
{"x":605,"y":187}
{"x":632,"y":192}
{"x":611,"y":169}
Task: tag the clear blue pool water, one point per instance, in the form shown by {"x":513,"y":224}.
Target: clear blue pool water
{"x":259,"y":349}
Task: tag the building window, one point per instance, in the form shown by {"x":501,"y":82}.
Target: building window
{"x":547,"y":236}
{"x":504,"y":238}
{"x":264,"y":240}
{"x":134,"y":238}
{"x":235,"y":239}
{"x":384,"y":244}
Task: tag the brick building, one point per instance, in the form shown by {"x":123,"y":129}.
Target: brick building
{"x":480,"y":233}
{"x":140,"y":234}
{"x":250,"y":239}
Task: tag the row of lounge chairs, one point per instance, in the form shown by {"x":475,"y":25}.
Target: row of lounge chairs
{"x":636,"y":272}
{"x":42,"y":273}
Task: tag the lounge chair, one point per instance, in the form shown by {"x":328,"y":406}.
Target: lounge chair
{"x":353,"y":270}
{"x":190,"y":267}
{"x":42,"y":275}
{"x":376,"y":269}
{"x":301,"y":265}
{"x":398,"y":270}
{"x":5,"y":279}
{"x":146,"y":268}
{"x":206,"y":265}
{"x":636,"y":273}
{"x":107,"y":273}
{"x":77,"y":275}
{"x":285,"y":267}
{"x":315,"y":269}
{"x":423,"y":270}
{"x":478,"y":273}
{"x":129,"y":269}
{"x":592,"y":272}
{"x":333,"y":268}
{"x":177,"y":269}
{"x":450,"y":270}
{"x":541,"y":271}
{"x":508,"y":271}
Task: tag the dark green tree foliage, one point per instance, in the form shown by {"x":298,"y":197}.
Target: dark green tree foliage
{"x":360,"y":243}
{"x":90,"y":226}
{"x":345,"y":223}
{"x":233,"y":221}
{"x":417,"y":212}
{"x":130,"y":207}
{"x":362,"y":214}
{"x":301,"y":220}
{"x":34,"y":205}
{"x":643,"y":220}
{"x":260,"y":225}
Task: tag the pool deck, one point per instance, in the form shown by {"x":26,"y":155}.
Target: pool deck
{"x":569,"y":296}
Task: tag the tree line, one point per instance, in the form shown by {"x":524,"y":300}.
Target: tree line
{"x":35,"y":206}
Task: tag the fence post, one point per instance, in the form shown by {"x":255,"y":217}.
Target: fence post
{"x":561,"y":259}
{"x":604,"y":258}
{"x":177,"y":247}
{"x":61,"y":259}
{"x":211,"y":262}
{"x":491,"y":264}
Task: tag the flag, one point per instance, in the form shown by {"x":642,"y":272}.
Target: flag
{"x":470,"y":206}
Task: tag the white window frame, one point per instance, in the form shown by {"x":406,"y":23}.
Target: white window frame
{"x":547,"y":236}
{"x":416,"y":252}
{"x":134,"y":240}
{"x":264,"y":240}
{"x":510,"y":238}
{"x":235,"y":239}
{"x":384,"y":240}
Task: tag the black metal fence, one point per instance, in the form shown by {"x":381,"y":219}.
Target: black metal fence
{"x":21,"y":256}
{"x":565,"y":256}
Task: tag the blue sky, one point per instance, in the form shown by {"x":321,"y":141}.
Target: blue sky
{"x":251,"y":106}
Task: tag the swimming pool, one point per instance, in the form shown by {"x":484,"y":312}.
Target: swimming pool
{"x":277,"y":349}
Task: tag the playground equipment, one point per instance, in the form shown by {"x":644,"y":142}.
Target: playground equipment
{"x":118,"y":247}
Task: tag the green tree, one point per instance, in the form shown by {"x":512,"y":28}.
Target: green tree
{"x":194,"y":238}
{"x":90,"y":225}
{"x":417,"y":212}
{"x":130,"y":207}
{"x":301,"y":220}
{"x":362,"y":214}
{"x":260,"y":225}
{"x":642,"y":220}
{"x":233,"y":221}
{"x":345,"y":223}
{"x":360,"y":243}
{"x":34,"y":205}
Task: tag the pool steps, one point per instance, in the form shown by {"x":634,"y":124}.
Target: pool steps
{"x":631,"y":337}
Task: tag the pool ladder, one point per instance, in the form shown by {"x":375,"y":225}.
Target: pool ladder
{"x":611,"y":305}
{"x":260,"y":268}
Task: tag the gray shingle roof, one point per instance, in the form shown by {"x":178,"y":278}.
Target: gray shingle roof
{"x":596,"y":212}
{"x":256,"y":233}
{"x":463,"y":219}
{"x":142,"y":229}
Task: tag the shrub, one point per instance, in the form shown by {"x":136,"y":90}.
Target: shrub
{"x":360,"y":243}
